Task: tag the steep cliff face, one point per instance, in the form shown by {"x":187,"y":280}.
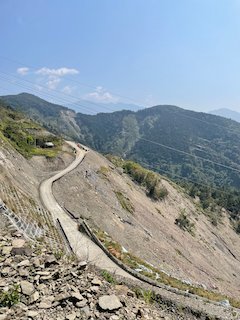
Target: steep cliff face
{"x":172,"y":234}
{"x":17,"y":171}
{"x":26,"y":174}
{"x":112,"y":202}
{"x":19,"y":183}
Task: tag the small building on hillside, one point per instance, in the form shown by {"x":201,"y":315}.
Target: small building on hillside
{"x":48,"y":144}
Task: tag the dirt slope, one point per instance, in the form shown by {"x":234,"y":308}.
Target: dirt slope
{"x":210,"y":257}
{"x":26,"y":174}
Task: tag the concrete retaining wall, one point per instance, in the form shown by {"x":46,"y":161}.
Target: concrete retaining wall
{"x":83,"y":227}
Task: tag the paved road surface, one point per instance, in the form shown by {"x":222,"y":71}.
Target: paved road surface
{"x":83,"y":247}
{"x":87,"y":250}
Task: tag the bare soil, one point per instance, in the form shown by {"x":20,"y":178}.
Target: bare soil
{"x":210,"y":257}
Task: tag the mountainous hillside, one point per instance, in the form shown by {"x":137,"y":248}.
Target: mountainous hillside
{"x":90,"y":107}
{"x":227,"y":113}
{"x":56,"y":118}
{"x":198,"y":134}
{"x":142,"y":218}
{"x":28,"y":137}
{"x":124,"y":132}
{"x":182,"y":144}
{"x":24,"y":162}
{"x":171,"y":233}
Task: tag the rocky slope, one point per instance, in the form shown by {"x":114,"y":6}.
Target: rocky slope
{"x":208,"y":257}
{"x":35,"y":284}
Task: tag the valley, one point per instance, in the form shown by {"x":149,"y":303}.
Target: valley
{"x":173,"y":234}
{"x":119,"y":160}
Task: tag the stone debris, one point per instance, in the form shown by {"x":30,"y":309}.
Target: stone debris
{"x":18,"y":243}
{"x":109,"y":302}
{"x":27,"y":288}
{"x":66,"y":289}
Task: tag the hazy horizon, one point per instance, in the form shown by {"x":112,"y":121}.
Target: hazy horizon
{"x":145,"y":53}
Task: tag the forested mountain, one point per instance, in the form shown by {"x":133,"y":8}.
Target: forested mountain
{"x":36,"y":106}
{"x":180,"y":139}
{"x":57,"y":118}
{"x":25,"y":135}
{"x":199,"y":134}
{"x":90,"y":107}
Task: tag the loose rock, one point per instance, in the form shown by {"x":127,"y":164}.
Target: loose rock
{"x":109,"y":302}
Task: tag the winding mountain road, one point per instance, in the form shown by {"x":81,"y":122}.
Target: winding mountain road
{"x":82,"y":246}
{"x":87,"y":250}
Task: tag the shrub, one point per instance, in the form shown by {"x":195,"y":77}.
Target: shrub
{"x":149,"y":179}
{"x":104,"y":172}
{"x":108,"y":277}
{"x":10,"y":297}
{"x":237,"y":227}
{"x":159,"y":192}
{"x":148,"y":296}
{"x":125,"y":202}
{"x":184,"y":223}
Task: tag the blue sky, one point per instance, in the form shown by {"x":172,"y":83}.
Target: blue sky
{"x":184,"y":52}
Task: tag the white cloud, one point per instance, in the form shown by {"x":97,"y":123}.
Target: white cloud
{"x":101,"y":95}
{"x":23,"y":71}
{"x":68,"y":89}
{"x":53,"y":83}
{"x":60,"y":72}
{"x":52,"y":77}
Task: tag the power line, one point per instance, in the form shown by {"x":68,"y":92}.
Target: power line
{"x":154,"y":142}
{"x":109,"y":109}
{"x":172,"y":173}
{"x":90,"y":86}
{"x":79,"y":106}
{"x":181,"y":177}
{"x":189,"y":154}
{"x":116,"y":94}
{"x":21,"y":82}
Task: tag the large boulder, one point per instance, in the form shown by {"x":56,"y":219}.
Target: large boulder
{"x":109,"y":302}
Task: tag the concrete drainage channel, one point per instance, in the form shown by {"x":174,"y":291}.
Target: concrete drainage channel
{"x":64,"y":236}
{"x":200,"y":306}
{"x":83,"y":227}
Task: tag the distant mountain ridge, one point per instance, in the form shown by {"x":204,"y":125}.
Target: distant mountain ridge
{"x":90,"y":107}
{"x":56,"y":118}
{"x":227,"y":113}
{"x":125,"y":133}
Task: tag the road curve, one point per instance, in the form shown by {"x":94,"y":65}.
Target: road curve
{"x":85,"y":249}
{"x":82,"y":246}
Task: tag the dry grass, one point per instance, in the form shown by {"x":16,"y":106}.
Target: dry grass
{"x":125,"y":202}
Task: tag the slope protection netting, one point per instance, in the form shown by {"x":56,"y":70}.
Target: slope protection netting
{"x":28,"y":216}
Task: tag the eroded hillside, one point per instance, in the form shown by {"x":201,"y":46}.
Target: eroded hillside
{"x":22,"y":168}
{"x":110,"y":201}
{"x":170,"y":232}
